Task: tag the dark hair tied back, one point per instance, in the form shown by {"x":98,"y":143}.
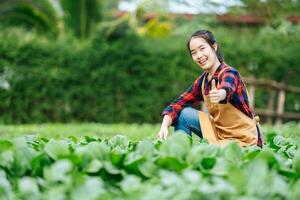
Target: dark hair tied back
{"x":209,"y":38}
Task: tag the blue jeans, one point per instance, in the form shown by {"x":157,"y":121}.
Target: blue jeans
{"x":188,"y":121}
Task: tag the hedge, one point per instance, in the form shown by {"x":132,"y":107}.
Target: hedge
{"x":120,"y":77}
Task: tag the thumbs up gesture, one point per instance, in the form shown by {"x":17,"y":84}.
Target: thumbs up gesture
{"x":216,"y":95}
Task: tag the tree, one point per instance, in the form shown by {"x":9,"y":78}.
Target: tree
{"x":270,"y":10}
{"x":80,"y":16}
{"x":30,"y":13}
{"x":54,"y":16}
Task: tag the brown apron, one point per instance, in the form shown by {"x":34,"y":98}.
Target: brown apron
{"x":226,"y":123}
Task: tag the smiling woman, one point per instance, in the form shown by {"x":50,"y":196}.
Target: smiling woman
{"x":224,"y":94}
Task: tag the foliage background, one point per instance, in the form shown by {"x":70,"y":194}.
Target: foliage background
{"x":127,"y":69}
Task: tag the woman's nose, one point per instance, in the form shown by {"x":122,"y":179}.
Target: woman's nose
{"x":199,"y":55}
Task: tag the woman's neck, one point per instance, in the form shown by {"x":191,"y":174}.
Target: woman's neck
{"x":213,"y":69}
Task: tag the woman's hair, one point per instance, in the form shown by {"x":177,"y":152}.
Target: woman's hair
{"x":209,"y":38}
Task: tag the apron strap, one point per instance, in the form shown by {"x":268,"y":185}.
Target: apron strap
{"x":221,"y":72}
{"x":203,"y":80}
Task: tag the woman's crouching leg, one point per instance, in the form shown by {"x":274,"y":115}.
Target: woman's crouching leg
{"x":188,"y":121}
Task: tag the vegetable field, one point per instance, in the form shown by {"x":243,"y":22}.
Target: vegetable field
{"x":35,"y":167}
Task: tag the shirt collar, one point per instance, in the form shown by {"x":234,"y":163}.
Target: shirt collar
{"x":216,"y":74}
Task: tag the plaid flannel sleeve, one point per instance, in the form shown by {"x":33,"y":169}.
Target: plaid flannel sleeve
{"x":229,"y":82}
{"x":192,"y":95}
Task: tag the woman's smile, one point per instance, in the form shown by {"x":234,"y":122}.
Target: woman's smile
{"x":202,"y":61}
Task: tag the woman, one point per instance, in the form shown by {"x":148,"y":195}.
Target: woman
{"x":221,"y":89}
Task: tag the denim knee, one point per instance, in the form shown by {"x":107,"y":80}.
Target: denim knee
{"x":188,"y":120}
{"x":186,"y":114}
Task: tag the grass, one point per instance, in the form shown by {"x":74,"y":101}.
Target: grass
{"x":57,"y":130}
{"x":134,"y":132}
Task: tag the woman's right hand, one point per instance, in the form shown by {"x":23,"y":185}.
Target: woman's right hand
{"x":163,"y":132}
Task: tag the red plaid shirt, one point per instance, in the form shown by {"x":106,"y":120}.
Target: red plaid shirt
{"x":230,"y":80}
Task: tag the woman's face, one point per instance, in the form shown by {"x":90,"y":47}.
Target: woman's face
{"x":203,"y":54}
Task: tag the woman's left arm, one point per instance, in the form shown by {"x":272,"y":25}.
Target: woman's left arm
{"x":229,"y":82}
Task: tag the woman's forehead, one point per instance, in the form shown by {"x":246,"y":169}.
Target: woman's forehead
{"x":197,"y":41}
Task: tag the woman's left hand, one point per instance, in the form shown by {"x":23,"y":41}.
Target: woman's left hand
{"x":216,"y":95}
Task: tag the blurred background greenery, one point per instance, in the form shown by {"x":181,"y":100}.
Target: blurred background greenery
{"x":76,"y":61}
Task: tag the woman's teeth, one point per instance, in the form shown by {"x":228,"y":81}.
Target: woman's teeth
{"x":202,"y":62}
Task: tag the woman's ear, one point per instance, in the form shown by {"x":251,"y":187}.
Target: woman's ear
{"x":215,"y":46}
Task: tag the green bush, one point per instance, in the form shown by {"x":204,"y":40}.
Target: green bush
{"x":107,"y":81}
{"x":118,"y":76}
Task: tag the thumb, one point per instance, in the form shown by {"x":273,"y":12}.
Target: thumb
{"x":213,"y":84}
